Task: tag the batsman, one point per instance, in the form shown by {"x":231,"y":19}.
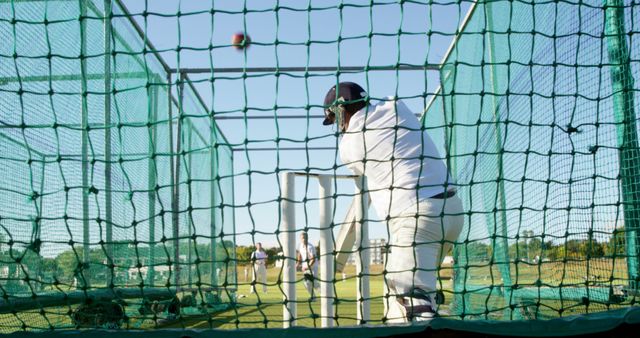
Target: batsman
{"x":410,"y":188}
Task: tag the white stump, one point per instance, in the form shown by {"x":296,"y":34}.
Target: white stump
{"x":362,"y":255}
{"x":288,"y":240}
{"x":327,"y":274}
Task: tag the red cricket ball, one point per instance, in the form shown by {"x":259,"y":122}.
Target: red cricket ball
{"x":240,"y":41}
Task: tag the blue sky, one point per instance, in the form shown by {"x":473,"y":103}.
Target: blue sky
{"x":427,"y":32}
{"x":299,"y":34}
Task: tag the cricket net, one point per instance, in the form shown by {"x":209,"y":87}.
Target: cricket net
{"x":136,"y":180}
{"x":540,"y":126}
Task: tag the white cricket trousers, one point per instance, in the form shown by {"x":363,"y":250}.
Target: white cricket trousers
{"x":413,"y":266}
{"x":259,"y":277}
{"x":310,"y":279}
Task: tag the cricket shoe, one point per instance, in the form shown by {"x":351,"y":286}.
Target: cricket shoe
{"x":418,"y":306}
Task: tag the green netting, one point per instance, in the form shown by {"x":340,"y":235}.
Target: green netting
{"x":91,"y":183}
{"x":540,"y":114}
{"x":135,"y":182}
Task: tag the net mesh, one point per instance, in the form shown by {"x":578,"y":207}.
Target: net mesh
{"x":539,"y":163}
{"x":136,"y":182}
{"x":98,"y":193}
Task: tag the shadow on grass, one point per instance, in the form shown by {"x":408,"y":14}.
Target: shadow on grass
{"x":228,"y":317}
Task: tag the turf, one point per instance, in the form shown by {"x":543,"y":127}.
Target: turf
{"x":265,"y":309}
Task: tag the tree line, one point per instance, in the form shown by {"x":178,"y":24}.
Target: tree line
{"x":534,"y":248}
{"x":20,"y":262}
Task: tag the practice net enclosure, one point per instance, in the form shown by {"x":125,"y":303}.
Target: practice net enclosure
{"x":147,"y":151}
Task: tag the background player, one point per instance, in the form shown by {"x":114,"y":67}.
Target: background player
{"x":306,"y":261}
{"x":259,"y":259}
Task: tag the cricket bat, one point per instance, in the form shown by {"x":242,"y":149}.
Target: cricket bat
{"x":347,"y":235}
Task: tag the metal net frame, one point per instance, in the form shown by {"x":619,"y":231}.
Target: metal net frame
{"x":102,"y":205}
{"x":119,"y":189}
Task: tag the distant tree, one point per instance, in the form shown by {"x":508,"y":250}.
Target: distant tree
{"x":526,"y":247}
{"x":546,"y":245}
{"x":243,"y":254}
{"x":478,"y":251}
{"x":224,"y":250}
{"x":518,"y":250}
{"x":3,"y":242}
{"x":68,"y":264}
{"x":618,"y":242}
{"x":534,"y":247}
{"x":576,"y":248}
{"x":562,"y":251}
{"x":596,"y":249}
{"x":49,"y":268}
{"x":272,"y":254}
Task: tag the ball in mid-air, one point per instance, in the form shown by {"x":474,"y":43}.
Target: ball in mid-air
{"x":240,"y":41}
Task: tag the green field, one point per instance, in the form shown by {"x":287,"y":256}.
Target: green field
{"x":264,"y":310}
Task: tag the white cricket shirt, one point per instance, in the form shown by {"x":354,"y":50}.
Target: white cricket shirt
{"x":307,"y":252}
{"x":390,"y":157}
{"x":260,"y":257}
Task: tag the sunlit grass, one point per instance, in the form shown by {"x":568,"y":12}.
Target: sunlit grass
{"x":265,"y":310}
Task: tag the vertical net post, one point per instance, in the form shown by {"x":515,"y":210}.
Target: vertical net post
{"x":498,"y":220}
{"x":108,"y":213}
{"x":85,"y":276}
{"x":189,"y":152}
{"x":288,"y":242}
{"x":460,"y":302}
{"x":171,"y":150}
{"x":213,"y":153}
{"x":38,"y":223}
{"x":232,"y":264}
{"x":623,"y":105}
{"x":386,"y":292}
{"x":153,"y":172}
{"x":176,"y":188}
{"x":362,"y":255}
{"x":233,"y":261}
{"x":327,"y":272}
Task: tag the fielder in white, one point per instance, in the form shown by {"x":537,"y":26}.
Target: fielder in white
{"x":307,"y":262}
{"x":409,"y":186}
{"x":259,"y":259}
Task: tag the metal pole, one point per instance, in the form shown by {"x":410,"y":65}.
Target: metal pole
{"x":84,"y":274}
{"x":240,"y":149}
{"x":176,"y":187}
{"x":190,"y":214}
{"x":281,"y":117}
{"x":143,"y":36}
{"x":47,"y":299}
{"x":362,"y":255}
{"x":214,"y":172}
{"x":625,"y":117}
{"x":327,"y":272}
{"x":172,"y":171}
{"x":498,"y":232}
{"x":234,"y":261}
{"x":386,"y":292}
{"x":37,"y":233}
{"x":152,"y":181}
{"x":287,"y":239}
{"x":348,"y":69}
{"x":108,"y":211}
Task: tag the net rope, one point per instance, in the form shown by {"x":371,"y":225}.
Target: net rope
{"x":144,"y":157}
